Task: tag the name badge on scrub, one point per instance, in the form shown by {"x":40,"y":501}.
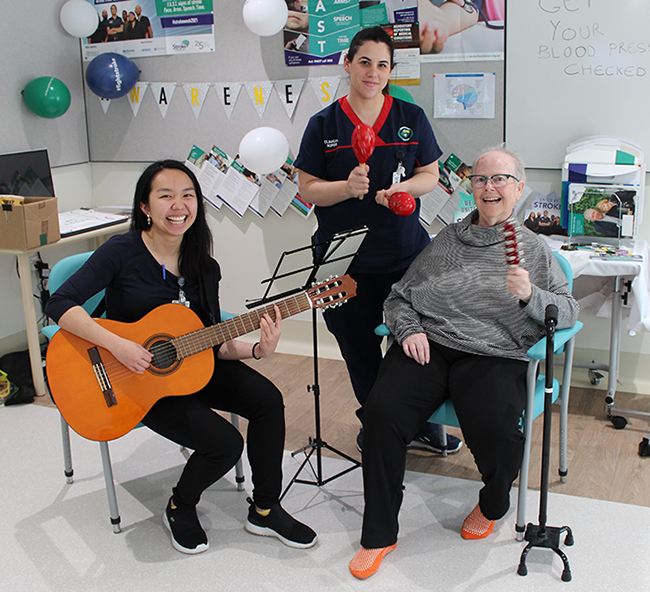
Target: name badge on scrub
{"x":181,"y":295}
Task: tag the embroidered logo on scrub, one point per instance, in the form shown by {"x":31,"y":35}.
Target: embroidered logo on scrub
{"x":405,"y":133}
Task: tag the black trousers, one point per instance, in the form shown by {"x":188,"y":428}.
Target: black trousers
{"x":191,"y":422}
{"x":489,"y":395}
{"x":353,"y":326}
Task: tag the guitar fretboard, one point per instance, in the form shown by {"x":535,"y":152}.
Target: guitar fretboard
{"x":198,"y":341}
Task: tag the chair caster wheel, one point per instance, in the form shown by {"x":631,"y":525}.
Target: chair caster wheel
{"x":566,"y":576}
{"x":522,"y":570}
{"x":644,"y":447}
{"x":618,"y":422}
{"x":568,"y":540}
{"x":595,"y":377}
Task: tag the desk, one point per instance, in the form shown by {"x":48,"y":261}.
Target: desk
{"x":631,"y":283}
{"x":27,"y":291}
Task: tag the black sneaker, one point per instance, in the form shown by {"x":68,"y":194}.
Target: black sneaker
{"x":187,"y":534}
{"x":279,"y":524}
{"x":428,"y":438}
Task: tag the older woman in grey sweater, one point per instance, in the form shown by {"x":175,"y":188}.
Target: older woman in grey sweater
{"x":463,"y":320}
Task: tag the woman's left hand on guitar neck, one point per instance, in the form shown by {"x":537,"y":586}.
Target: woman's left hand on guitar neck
{"x":270,"y":335}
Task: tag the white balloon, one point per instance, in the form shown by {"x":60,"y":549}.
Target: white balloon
{"x":79,"y":18}
{"x":265,"y":17}
{"x":264,"y":150}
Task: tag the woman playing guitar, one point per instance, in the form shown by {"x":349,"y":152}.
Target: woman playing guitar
{"x":167,"y":258}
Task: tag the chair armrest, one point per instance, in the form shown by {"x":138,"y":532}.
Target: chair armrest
{"x":382,"y":330}
{"x":538,"y":351}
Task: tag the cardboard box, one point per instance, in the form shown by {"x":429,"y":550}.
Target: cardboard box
{"x":33,"y":224}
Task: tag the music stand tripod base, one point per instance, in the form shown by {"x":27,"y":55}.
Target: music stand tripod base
{"x":549,"y":538}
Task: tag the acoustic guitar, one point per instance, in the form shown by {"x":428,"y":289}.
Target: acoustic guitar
{"x":102,"y":400}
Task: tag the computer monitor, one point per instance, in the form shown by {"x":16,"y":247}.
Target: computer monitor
{"x":27,"y":174}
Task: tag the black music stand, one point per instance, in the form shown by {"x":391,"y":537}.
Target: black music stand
{"x":331,"y":257}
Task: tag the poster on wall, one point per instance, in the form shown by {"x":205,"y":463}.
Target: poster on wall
{"x":461,"y":30}
{"x":144,"y":28}
{"x":318,"y":32}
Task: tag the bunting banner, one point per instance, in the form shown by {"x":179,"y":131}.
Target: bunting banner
{"x":195,"y":93}
{"x":325,"y":88}
{"x":289,"y":93}
{"x":227,"y":93}
{"x":162,"y":94}
{"x":259,"y":93}
{"x":136,"y":95}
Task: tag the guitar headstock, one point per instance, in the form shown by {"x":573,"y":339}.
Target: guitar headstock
{"x":513,"y":255}
{"x":332,"y":292}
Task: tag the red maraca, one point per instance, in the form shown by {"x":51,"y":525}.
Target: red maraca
{"x":363,"y":143}
{"x":401,"y":203}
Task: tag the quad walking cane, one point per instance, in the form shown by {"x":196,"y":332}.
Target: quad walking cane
{"x":540,"y":535}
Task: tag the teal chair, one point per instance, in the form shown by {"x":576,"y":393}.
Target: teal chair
{"x":564,"y":343}
{"x":58,"y":275}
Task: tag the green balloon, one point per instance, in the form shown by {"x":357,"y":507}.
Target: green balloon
{"x":399,"y":92}
{"x":47,"y":97}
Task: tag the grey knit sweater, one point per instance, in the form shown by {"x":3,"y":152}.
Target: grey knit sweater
{"x":455,"y":292}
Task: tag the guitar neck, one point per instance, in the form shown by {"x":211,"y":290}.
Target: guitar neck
{"x":198,"y":341}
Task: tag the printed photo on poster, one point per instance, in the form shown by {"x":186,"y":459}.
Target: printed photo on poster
{"x":144,"y":28}
{"x":544,"y":216}
{"x":602,"y":210}
{"x":461,"y":30}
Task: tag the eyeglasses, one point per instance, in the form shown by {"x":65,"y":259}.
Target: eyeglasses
{"x":498,"y":181}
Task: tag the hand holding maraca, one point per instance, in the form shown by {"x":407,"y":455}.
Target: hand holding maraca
{"x":400,"y":203}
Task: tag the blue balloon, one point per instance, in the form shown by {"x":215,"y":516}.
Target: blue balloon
{"x":111,"y":75}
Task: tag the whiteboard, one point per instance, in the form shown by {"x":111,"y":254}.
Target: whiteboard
{"x":575,"y":68}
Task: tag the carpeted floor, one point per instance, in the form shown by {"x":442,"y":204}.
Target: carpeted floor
{"x":57,"y":537}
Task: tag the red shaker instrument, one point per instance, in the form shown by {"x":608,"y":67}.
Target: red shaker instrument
{"x":513,"y":256}
{"x":401,"y":203}
{"x":363,"y":142}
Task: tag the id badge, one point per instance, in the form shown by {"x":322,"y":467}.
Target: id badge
{"x":400,"y":172}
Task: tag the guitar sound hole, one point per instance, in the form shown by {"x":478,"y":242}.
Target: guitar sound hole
{"x":164,"y":355}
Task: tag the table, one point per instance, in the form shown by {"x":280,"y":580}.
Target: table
{"x":631,"y":284}
{"x":27,"y":292}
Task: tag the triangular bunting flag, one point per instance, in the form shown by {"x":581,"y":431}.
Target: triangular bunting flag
{"x":162,"y":94}
{"x":105,"y":103}
{"x":227,"y":93}
{"x":136,"y":95}
{"x":195,"y":93}
{"x":259,"y":93}
{"x":289,"y":93}
{"x":325,"y":88}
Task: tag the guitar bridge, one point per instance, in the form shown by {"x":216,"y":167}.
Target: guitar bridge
{"x":102,"y":377}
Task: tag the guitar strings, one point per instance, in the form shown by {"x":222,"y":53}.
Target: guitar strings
{"x":167,"y":352}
